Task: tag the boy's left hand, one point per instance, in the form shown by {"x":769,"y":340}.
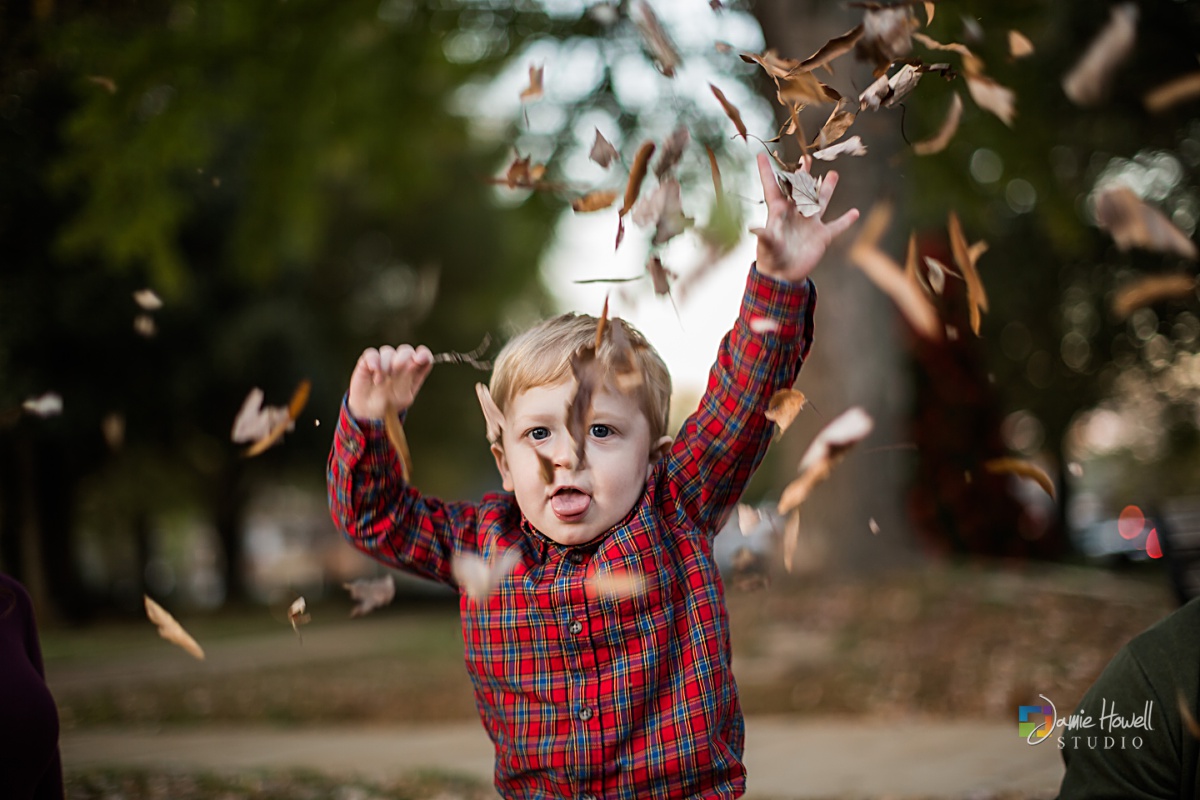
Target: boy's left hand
{"x":790,"y":245}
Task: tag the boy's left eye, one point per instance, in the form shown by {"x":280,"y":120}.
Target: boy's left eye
{"x":601,"y":431}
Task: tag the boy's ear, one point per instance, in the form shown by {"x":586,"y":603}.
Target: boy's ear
{"x":492,"y":415}
{"x":657,"y":451}
{"x":502,"y":466}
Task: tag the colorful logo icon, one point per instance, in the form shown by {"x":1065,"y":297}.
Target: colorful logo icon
{"x":1035,"y":723}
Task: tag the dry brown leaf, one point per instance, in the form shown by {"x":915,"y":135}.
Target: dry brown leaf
{"x":45,"y":405}
{"x":479,"y":579}
{"x":889,"y":276}
{"x":971,"y":62}
{"x":929,"y":9}
{"x":783,"y":407}
{"x":601,"y":326}
{"x":637,"y":174}
{"x":252,"y":419}
{"x":589,"y":374}
{"x":1134,"y":223}
{"x":910,"y":260}
{"x":850,"y":147}
{"x":840,"y":120}
{"x":716,"y":171}
{"x":730,"y":111}
{"x":535,"y":89}
{"x":748,"y":518}
{"x":171,"y":630}
{"x":369,"y":594}
{"x":834,"y":48}
{"x":1087,"y":83}
{"x":802,"y":188}
{"x":493,"y":418}
{"x":723,"y":47}
{"x":938,"y":142}
{"x":1022,"y":469}
{"x":616,"y":584}
{"x":1185,"y":714}
{"x":1172,"y":93}
{"x":992,"y":96}
{"x":1152,"y":289}
{"x":659,"y":276}
{"x":113,"y":429}
{"x":663,"y":50}
{"x":977,"y":300}
{"x":672,"y":150}
{"x":297,"y":616}
{"x":1019,"y":45}
{"x":887,"y":36}
{"x":395,"y":435}
{"x":664,"y":209}
{"x":147,"y":300}
{"x":935,"y":274}
{"x":597,"y":200}
{"x":775,"y":66}
{"x":803,"y":89}
{"x":603,"y":153}
{"x":545,"y":469}
{"x":104,"y":82}
{"x":886,"y":91}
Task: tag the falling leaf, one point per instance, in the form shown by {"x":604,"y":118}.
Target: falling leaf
{"x":775,"y":66}
{"x":477,"y":578}
{"x":929,"y":9}
{"x":1173,"y":92}
{"x":616,"y":584}
{"x":588,"y":373}
{"x":910,"y":259}
{"x":1152,"y":289}
{"x":1019,"y":45}
{"x":603,"y":153}
{"x":971,"y":62}
{"x":143,"y":325}
{"x":535,"y":89}
{"x":147,"y":300}
{"x":716,"y":171}
{"x":664,"y":209}
{"x":672,"y":151}
{"x":663,"y":50}
{"x":761,"y":325}
{"x":887,"y":36}
{"x":265,"y":426}
{"x":594,"y":201}
{"x":637,"y":174}
{"x":522,"y":173}
{"x":369,"y":594}
{"x":748,"y":518}
{"x":850,"y":147}
{"x":991,"y":96}
{"x":1185,"y":714}
{"x":1022,"y":469}
{"x":601,"y":326}
{"x":297,"y":616}
{"x":112,"y":427}
{"x":977,"y":300}
{"x":783,"y":407}
{"x":889,"y":277}
{"x":545,"y":469}
{"x":470,"y":358}
{"x":399,"y":442}
{"x":935,"y":274}
{"x":873,"y":525}
{"x":49,"y":404}
{"x":834,"y":48}
{"x":723,"y":47}
{"x":1087,"y":83}
{"x":803,"y":89}
{"x":171,"y":630}
{"x":886,"y":91}
{"x":803,"y":188}
{"x":1133,"y":223}
{"x":730,"y":111}
{"x":938,"y":142}
{"x":840,"y":120}
{"x":658,"y":275}
{"x":1075,"y":468}
{"x":828,"y":447}
{"x":104,"y":82}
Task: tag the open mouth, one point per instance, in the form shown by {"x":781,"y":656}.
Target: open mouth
{"x":569,"y":503}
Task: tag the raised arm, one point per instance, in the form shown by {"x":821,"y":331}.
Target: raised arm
{"x":723,"y":442}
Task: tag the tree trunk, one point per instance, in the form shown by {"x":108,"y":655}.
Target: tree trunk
{"x":229,"y":511}
{"x":858,"y":356}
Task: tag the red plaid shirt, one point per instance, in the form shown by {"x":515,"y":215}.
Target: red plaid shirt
{"x":589,"y":696}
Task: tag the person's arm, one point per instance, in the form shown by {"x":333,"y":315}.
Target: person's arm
{"x":50,"y":785}
{"x":724,"y":440}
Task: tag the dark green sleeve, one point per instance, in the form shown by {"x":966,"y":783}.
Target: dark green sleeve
{"x":1140,"y":764}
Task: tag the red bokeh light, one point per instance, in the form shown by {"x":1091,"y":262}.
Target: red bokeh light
{"x":1131,"y":522}
{"x":1153,"y":548}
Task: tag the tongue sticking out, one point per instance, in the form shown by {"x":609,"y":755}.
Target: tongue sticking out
{"x":570,"y":503}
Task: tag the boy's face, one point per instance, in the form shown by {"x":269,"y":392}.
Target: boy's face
{"x":584,"y":500}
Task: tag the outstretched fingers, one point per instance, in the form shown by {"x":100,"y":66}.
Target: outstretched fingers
{"x":772,"y":194}
{"x":839,"y":225}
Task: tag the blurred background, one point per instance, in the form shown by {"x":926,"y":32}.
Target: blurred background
{"x":296,"y":180}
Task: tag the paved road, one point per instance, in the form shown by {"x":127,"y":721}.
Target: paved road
{"x":786,"y":758}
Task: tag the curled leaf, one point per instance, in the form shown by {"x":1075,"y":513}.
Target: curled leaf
{"x":834,"y":48}
{"x":890,"y":278}
{"x":266,"y":426}
{"x":603,"y":153}
{"x":535,"y":89}
{"x":672,"y":151}
{"x":1022,"y":469}
{"x":840,"y":120}
{"x":1152,"y":289}
{"x":850,"y":147}
{"x":977,"y":300}
{"x":938,"y":142}
{"x":1087,"y":83}
{"x":1019,"y":45}
{"x":399,"y":442}
{"x":297,"y":615}
{"x":479,"y":579}
{"x":594,"y":201}
{"x":991,"y":96}
{"x":662,"y":49}
{"x":637,"y":174}
{"x":730,"y":111}
{"x":1133,"y":223}
{"x":783,"y":407}
{"x":1172,"y":93}
{"x":170,"y":629}
{"x":369,"y":594}
{"x":886,"y":36}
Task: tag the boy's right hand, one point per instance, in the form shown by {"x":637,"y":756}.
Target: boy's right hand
{"x":389,"y":377}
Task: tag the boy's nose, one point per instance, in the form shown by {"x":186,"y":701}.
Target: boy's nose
{"x":565,"y":454}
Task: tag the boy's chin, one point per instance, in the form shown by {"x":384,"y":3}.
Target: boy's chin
{"x":571,"y":535}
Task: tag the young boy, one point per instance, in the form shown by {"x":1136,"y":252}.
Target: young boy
{"x":601,"y":660}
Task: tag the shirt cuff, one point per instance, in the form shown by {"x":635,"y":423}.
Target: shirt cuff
{"x":773,"y":307}
{"x":363,"y":441}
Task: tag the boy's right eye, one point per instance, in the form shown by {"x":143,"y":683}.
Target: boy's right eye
{"x":538,"y":434}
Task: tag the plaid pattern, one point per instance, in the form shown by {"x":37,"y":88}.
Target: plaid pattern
{"x":586,"y":695}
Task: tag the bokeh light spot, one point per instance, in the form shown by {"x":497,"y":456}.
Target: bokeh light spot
{"x":1130,"y":522}
{"x":1153,"y":548}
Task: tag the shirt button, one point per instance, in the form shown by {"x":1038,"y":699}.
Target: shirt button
{"x":585,"y":713}
{"x":575,"y":556}
{"x":576,"y":626}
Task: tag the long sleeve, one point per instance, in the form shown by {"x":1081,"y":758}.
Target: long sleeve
{"x":724,"y":440}
{"x":383,"y":516}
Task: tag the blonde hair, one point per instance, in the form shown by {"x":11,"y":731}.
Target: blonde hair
{"x":542,"y":356}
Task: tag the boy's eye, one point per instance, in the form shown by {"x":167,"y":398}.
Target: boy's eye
{"x":538,"y":434}
{"x":601,"y":431}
